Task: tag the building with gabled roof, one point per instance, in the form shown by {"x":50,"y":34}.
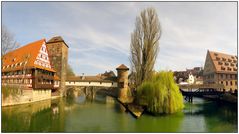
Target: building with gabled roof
{"x":29,"y":68}
{"x":221,"y":68}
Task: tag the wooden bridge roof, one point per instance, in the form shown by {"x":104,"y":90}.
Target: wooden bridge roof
{"x":91,"y":79}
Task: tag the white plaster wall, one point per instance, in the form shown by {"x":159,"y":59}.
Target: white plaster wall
{"x":98,"y":84}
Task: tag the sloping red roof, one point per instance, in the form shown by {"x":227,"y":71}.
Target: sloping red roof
{"x":23,"y":57}
{"x":122,"y":67}
{"x":224,"y":62}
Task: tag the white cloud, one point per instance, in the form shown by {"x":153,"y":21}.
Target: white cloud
{"x":94,"y":30}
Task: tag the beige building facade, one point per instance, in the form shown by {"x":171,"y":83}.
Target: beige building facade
{"x":221,"y":68}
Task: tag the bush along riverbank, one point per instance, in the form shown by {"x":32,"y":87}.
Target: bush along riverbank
{"x":160,"y":95}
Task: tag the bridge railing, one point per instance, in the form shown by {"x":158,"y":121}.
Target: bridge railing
{"x":202,"y":86}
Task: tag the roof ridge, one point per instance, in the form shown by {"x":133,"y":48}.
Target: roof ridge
{"x":25,"y":46}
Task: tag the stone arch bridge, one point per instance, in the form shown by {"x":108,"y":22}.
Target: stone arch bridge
{"x":91,"y":87}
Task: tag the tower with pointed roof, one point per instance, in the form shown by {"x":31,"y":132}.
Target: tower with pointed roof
{"x":122,"y":79}
{"x":58,"y":54}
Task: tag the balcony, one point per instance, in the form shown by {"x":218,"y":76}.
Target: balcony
{"x":44,"y":76}
{"x":43,"y":86}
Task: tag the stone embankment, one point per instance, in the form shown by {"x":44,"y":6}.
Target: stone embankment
{"x":27,"y":96}
{"x":227,"y":97}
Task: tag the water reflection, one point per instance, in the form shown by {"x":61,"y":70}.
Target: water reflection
{"x":105,"y":114}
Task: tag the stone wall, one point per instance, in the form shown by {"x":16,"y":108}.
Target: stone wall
{"x":58,"y":54}
{"x":123,"y":92}
{"x":41,"y":94}
{"x":27,"y":96}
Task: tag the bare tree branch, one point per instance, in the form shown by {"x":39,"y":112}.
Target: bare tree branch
{"x":144,"y":45}
{"x":8,"y":41}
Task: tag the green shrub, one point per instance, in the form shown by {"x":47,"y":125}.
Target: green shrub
{"x":161,"y":94}
{"x":10,"y":90}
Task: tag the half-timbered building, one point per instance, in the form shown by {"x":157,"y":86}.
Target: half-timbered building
{"x":28,"y":67}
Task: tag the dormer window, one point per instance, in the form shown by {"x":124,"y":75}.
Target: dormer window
{"x":217,"y":58}
{"x":226,"y":63}
{"x":224,"y":59}
{"x":222,"y":68}
{"x":219,"y":62}
{"x":229,"y":69}
{"x":229,"y":60}
{"x":215,"y":54}
{"x":13,"y":59}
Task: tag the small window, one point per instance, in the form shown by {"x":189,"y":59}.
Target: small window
{"x":231,"y":82}
{"x":226,"y":83}
{"x":217,"y":58}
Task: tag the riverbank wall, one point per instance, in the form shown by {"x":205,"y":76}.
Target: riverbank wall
{"x":27,"y":96}
{"x":227,"y":97}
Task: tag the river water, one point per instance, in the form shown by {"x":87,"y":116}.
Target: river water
{"x":106,"y":115}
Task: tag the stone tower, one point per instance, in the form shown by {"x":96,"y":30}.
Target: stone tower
{"x":122,"y":74}
{"x":58,"y":54}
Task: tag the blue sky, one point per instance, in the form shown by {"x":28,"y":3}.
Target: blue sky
{"x":98,"y":33}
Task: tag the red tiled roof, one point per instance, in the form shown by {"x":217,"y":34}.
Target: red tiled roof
{"x":23,"y":57}
{"x":224,"y":62}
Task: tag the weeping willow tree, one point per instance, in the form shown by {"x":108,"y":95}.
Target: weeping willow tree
{"x":161,"y":94}
{"x":144,"y":46}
